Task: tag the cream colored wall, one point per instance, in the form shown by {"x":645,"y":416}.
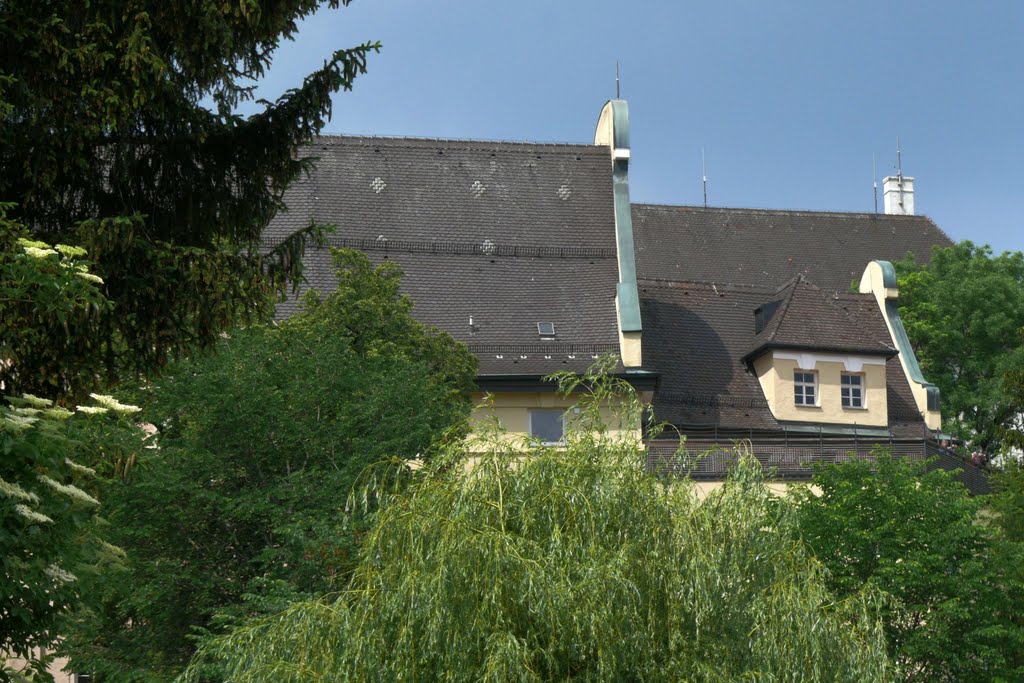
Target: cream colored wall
{"x":776,"y":377}
{"x":513,"y":411}
{"x":768,"y":378}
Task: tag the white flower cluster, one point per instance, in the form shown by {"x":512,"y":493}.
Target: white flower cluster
{"x":41,"y":250}
{"x":69,"y":490}
{"x":31,"y":515}
{"x":81,"y":469}
{"x":10,"y":490}
{"x":17,"y":423}
{"x":89,"y":277}
{"x":35,"y":401}
{"x":92,"y":410}
{"x":60,"y":575}
{"x":113,"y":404}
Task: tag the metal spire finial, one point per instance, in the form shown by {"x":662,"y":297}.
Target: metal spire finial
{"x":874,"y":180}
{"x":704,"y":176}
{"x":617,"y":80}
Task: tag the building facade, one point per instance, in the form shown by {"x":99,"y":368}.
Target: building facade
{"x":776,"y":327}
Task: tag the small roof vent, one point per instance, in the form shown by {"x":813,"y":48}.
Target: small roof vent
{"x":546,"y":330}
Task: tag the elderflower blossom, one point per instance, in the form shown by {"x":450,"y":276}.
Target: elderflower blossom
{"x":36,"y":402}
{"x":10,"y":490}
{"x":92,"y":410}
{"x":60,"y":575}
{"x":31,"y":515}
{"x":17,"y":423}
{"x":26,"y":412}
{"x":58,"y":413}
{"x":90,"y":277}
{"x":36,"y":252}
{"x":81,"y":469}
{"x":114,"y":404}
{"x":69,"y":490}
{"x":71,"y":251}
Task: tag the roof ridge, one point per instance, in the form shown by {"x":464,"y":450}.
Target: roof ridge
{"x":418,"y":141}
{"x":790,"y":212}
{"x":780,"y":315}
{"x":705,"y":284}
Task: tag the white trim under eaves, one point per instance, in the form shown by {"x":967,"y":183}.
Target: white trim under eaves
{"x":807,"y":360}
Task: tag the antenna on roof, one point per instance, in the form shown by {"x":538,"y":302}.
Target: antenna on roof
{"x":617,"y":79}
{"x":874,"y":180}
{"x":704,"y":176}
{"x":899,"y":160}
{"x":899,"y":169}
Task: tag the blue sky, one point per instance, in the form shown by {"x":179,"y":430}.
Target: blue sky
{"x":788,"y":98}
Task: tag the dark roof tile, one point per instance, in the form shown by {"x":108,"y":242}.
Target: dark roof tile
{"x":768,"y":247}
{"x":510,"y":234}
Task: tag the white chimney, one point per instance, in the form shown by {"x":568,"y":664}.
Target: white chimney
{"x":898,"y":191}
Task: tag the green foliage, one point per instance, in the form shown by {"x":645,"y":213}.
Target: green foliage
{"x":240,"y":509}
{"x":956,"y":594}
{"x":963,"y":312}
{"x":51,"y":309}
{"x":1008,"y":501}
{"x":570,"y":563}
{"x":49,"y":530}
{"x":1013,"y":384}
{"x":109,"y":142}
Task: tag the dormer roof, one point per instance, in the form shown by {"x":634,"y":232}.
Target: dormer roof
{"x":801,"y":316}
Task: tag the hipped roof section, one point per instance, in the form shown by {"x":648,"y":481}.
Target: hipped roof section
{"x":809,"y":319}
{"x":508,"y":234}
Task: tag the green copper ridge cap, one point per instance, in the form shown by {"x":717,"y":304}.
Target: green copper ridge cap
{"x":899,"y":334}
{"x":628,"y":295}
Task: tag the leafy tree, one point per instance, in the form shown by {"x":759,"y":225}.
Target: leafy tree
{"x":240,"y":509}
{"x":49,"y":529}
{"x":963,"y":312}
{"x":120,"y":135}
{"x":51,"y":307}
{"x":571,"y":564}
{"x":1013,"y":383}
{"x":1008,"y":501}
{"x":955,"y":587}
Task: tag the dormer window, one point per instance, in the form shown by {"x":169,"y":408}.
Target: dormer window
{"x":851,"y":390}
{"x":805,"y":388}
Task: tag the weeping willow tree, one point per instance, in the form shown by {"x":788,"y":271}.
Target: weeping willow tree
{"x":573,"y":563}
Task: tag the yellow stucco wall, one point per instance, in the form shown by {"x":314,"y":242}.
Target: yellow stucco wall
{"x":775,"y":373}
{"x":513,"y":411}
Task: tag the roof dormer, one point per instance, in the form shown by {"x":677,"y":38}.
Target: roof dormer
{"x":821,"y":357}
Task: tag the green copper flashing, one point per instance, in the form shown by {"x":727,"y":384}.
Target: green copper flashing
{"x":899,"y":334}
{"x":628,"y":296}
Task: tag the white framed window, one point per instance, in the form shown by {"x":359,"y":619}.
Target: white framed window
{"x":805,"y":388}
{"x":851,"y":390}
{"x":548,"y":425}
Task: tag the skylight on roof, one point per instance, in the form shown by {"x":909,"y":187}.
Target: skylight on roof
{"x":546,"y":330}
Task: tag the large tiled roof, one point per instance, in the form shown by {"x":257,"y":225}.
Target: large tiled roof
{"x":768,"y":247}
{"x":508,"y":234}
{"x":696,"y":335}
{"x":806,"y":317}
